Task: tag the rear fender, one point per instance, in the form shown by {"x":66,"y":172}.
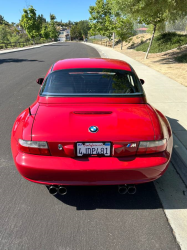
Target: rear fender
{"x":158,"y":131}
{"x":22,"y":127}
{"x":166,"y":128}
{"x":162,"y":127}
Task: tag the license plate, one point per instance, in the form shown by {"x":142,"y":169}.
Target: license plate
{"x":93,"y":148}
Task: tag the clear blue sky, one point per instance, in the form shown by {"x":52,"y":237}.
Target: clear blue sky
{"x":74,"y":10}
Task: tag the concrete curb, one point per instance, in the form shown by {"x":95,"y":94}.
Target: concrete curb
{"x":25,"y":48}
{"x":173,"y":195}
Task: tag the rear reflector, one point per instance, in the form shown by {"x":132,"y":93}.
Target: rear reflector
{"x":34,"y":147}
{"x":149,"y":147}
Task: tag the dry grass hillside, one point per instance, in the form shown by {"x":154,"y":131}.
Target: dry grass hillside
{"x":165,"y":62}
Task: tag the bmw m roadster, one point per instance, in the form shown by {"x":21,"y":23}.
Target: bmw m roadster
{"x":91,"y":125}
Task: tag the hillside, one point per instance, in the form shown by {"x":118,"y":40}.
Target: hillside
{"x":164,"y":42}
{"x":171,"y":63}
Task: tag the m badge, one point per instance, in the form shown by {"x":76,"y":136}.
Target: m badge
{"x":131,"y":145}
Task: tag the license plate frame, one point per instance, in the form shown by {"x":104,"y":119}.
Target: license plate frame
{"x":94,"y":154}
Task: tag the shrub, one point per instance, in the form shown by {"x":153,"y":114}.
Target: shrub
{"x":142,"y":41}
{"x":182,"y":58}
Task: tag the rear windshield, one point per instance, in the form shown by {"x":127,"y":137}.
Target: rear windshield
{"x":91,"y":82}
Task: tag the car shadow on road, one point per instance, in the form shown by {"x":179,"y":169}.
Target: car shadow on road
{"x":107,"y":197}
{"x":16,"y":60}
{"x":179,"y":163}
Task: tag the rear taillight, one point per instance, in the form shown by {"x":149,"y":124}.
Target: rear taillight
{"x":149,"y":147}
{"x":34,"y":147}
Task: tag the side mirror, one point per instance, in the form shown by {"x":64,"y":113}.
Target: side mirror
{"x":142,"y":81}
{"x":40,"y":80}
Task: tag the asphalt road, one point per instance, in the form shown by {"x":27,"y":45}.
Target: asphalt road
{"x":86,"y":218}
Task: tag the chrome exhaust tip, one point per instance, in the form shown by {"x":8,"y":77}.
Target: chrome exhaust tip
{"x":62,"y":190}
{"x":53,"y":190}
{"x":131,"y":190}
{"x":122,"y":189}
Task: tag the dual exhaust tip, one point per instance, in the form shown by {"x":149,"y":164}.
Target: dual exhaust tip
{"x":122,"y":189}
{"x":57,"y":189}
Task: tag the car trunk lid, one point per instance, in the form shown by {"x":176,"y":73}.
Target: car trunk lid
{"x":67,"y":124}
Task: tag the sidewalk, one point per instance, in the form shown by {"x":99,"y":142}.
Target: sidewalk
{"x":24,"y":48}
{"x":163,"y":93}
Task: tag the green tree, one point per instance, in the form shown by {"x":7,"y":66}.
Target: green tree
{"x":29,"y":22}
{"x":161,"y":28}
{"x":14,"y":38}
{"x":45,"y":33}
{"x":97,"y":18}
{"x":176,"y":9}
{"x":75,"y":32}
{"x":84,"y":27}
{"x":52,"y":17}
{"x":52,"y":27}
{"x":124,"y":29}
{"x":101,"y":19}
{"x":4,"y":33}
{"x":79,"y":30}
{"x":3,"y":21}
{"x":154,"y":12}
{"x":110,"y":19}
{"x":40,"y":21}
{"x":69,"y":23}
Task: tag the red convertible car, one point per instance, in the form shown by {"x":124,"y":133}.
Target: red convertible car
{"x":91,"y":125}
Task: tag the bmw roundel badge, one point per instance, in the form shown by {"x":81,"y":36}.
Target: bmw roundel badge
{"x":93,"y":129}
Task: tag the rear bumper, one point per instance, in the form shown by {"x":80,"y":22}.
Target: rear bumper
{"x":51,"y":170}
